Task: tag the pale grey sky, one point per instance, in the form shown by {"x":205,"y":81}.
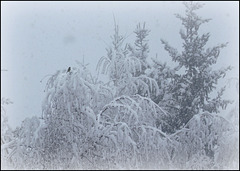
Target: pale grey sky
{"x":38,"y":38}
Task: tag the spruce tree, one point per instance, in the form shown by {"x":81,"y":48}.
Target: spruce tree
{"x":127,"y":70}
{"x":194,"y":77}
{"x":141,"y":48}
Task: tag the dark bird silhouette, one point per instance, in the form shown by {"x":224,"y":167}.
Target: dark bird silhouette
{"x":69,"y":69}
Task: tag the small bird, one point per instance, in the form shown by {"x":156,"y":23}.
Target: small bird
{"x":69,"y":69}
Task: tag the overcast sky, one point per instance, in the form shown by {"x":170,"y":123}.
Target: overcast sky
{"x":39,"y":38}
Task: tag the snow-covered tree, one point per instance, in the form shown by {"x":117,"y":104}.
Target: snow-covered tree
{"x":134,"y":128}
{"x":69,"y":116}
{"x":227,"y":153}
{"x":6,"y":134}
{"x":201,"y":136}
{"x":124,"y":69}
{"x":26,"y":147}
{"x":194,"y":78}
{"x":141,"y":48}
{"x":6,"y":131}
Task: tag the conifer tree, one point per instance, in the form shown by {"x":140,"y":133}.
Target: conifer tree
{"x":141,"y":48}
{"x":125,"y":70}
{"x":194,"y":77}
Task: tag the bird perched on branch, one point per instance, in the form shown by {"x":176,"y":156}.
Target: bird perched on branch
{"x":69,"y":69}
